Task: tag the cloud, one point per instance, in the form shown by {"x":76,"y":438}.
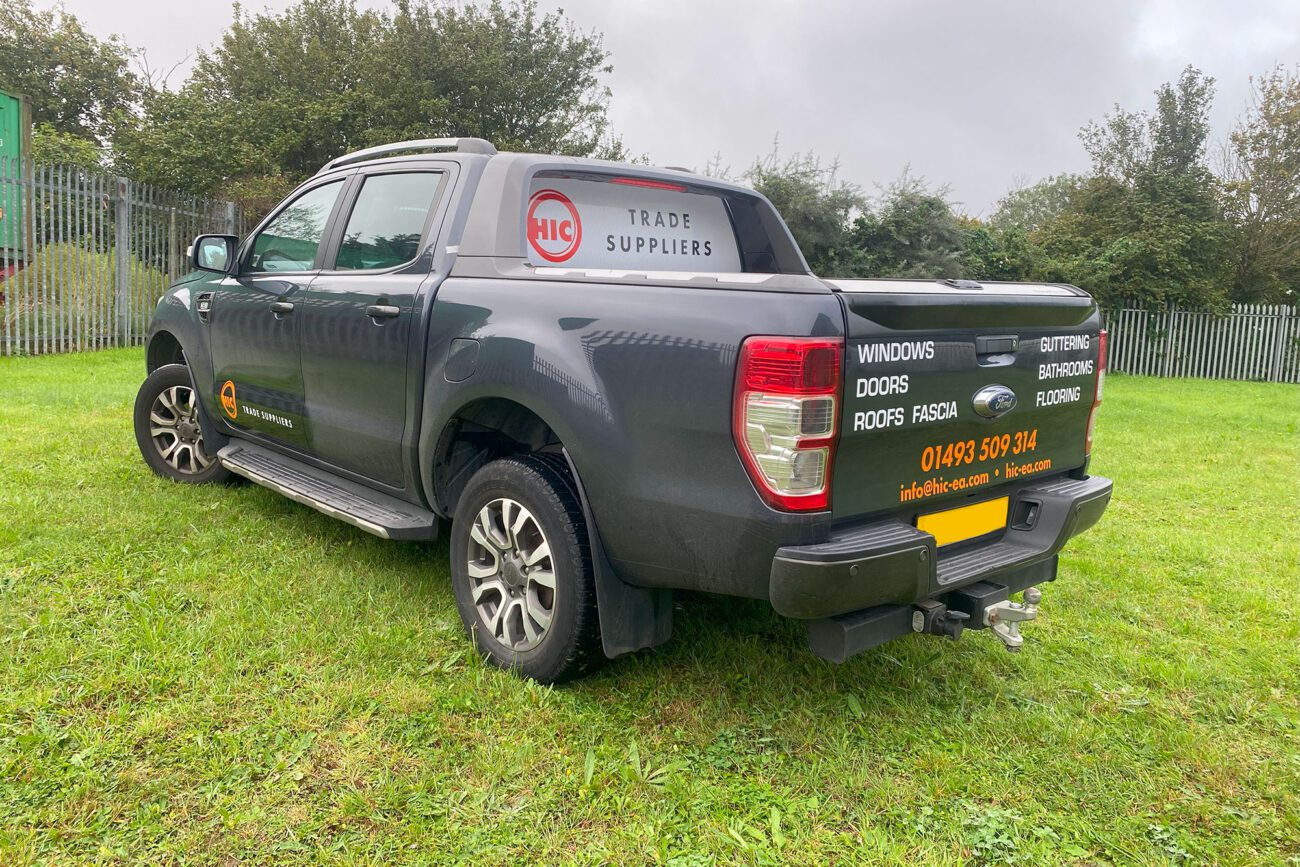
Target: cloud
{"x":975,"y":95}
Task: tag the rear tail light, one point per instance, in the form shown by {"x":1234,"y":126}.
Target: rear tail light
{"x":1096,"y":395}
{"x":785,"y":417}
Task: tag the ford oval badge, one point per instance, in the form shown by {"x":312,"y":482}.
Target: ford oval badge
{"x":993,"y":401}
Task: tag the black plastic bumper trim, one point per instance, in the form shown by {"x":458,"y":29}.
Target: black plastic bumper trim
{"x":889,"y":562}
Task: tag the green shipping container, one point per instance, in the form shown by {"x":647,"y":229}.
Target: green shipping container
{"x":15,"y":137}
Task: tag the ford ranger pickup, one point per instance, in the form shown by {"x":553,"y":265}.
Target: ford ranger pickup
{"x":608,"y":382}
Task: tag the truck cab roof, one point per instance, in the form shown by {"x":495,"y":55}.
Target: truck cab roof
{"x":494,"y":240}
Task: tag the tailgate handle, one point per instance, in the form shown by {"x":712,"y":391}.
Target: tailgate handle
{"x":999,"y":345}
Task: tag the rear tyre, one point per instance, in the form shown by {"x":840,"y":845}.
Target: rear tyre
{"x":168,"y":432}
{"x":521,"y":570}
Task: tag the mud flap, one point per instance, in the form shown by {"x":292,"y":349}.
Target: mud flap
{"x":631,"y":618}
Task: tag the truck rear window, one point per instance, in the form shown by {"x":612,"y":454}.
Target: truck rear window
{"x":628,"y":223}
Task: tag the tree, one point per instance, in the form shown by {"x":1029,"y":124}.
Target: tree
{"x":283,"y":93}
{"x":77,"y":83}
{"x":521,"y":80}
{"x":813,"y":203}
{"x":1131,"y":145}
{"x":1032,"y":207}
{"x":992,"y":252}
{"x":280,"y":93}
{"x":912,"y":231}
{"x":1161,"y":242}
{"x":51,"y":147}
{"x":1148,"y":225}
{"x":1262,"y":175}
{"x":189,"y":143}
{"x":1181,"y":125}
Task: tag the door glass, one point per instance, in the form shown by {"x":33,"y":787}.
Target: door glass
{"x":387,"y":221}
{"x":289,"y":242}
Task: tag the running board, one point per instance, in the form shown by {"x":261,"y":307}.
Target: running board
{"x":385,"y":516}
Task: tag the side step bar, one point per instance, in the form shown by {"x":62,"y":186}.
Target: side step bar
{"x":370,"y":510}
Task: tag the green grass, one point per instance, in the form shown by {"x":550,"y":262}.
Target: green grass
{"x":218,"y":675}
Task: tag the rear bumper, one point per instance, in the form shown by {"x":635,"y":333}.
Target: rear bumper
{"x":895,"y":564}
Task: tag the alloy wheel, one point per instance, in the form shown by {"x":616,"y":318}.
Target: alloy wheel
{"x":511,"y":574}
{"x":175,"y":431}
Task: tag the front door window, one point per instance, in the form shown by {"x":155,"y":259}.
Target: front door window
{"x":290,"y":241}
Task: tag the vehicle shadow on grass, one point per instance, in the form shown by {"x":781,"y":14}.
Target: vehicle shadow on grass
{"x":737,"y":651}
{"x":752,"y":663}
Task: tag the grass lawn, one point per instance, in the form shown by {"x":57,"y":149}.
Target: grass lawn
{"x":219,"y":675}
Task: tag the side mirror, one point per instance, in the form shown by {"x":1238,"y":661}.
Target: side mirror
{"x":213,"y":253}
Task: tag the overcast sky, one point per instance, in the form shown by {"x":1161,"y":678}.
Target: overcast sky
{"x":979,"y":95}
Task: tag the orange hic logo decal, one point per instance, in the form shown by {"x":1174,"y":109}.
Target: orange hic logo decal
{"x":228,"y":399}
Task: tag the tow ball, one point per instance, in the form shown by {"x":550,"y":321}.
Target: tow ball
{"x":1005,"y":617}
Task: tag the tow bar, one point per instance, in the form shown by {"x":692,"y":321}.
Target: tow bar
{"x":1005,"y":617}
{"x":976,"y":606}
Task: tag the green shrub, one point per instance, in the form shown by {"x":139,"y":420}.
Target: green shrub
{"x":67,"y":294}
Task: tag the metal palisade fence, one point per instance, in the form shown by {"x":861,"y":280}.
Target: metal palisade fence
{"x":1251,"y":341}
{"x":85,"y":256}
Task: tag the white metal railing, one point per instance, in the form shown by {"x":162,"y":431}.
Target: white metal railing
{"x":85,"y":256}
{"x":1250,"y":342}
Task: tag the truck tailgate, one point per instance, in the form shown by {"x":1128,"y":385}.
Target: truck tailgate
{"x":953,"y":390}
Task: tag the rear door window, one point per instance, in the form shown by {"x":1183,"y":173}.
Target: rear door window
{"x":387,"y":221}
{"x":628,"y":223}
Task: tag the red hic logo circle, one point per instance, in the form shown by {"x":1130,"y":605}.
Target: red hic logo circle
{"x":554,"y":227}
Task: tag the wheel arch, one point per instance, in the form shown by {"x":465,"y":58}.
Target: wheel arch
{"x":482,"y":430}
{"x":486,"y":428}
{"x":163,"y":348}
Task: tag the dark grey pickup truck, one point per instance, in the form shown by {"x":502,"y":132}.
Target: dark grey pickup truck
{"x":616,"y":382}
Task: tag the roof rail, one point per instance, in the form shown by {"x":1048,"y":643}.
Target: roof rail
{"x":459,"y":145}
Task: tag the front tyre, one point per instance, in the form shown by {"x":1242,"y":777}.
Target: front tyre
{"x":167,"y":428}
{"x":521,"y":569}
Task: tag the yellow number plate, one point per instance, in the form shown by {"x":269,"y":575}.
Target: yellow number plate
{"x":958,"y":525}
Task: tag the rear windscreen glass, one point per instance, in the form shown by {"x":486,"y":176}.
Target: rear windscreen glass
{"x":628,"y":223}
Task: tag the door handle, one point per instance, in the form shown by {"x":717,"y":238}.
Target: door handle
{"x":383,"y":311}
{"x":279,"y":308}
